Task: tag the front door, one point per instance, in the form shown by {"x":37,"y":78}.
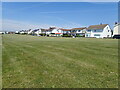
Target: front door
{"x":87,"y":35}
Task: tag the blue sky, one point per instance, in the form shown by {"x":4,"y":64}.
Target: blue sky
{"x":25,"y":15}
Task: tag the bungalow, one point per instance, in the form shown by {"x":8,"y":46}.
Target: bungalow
{"x":98,"y":31}
{"x":79,"y":31}
{"x":116,"y":29}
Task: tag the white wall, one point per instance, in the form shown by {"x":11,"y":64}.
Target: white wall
{"x":82,"y":31}
{"x":107,"y":32}
{"x":29,"y":32}
{"x":77,"y":31}
{"x":103,"y":34}
{"x":92,"y":34}
{"x":57,"y":31}
{"x":38,"y":32}
{"x":48,"y":32}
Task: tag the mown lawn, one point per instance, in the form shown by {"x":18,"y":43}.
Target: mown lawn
{"x":0,"y":62}
{"x":51,"y":62}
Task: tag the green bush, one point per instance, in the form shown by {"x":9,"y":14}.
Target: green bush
{"x":80,"y":35}
{"x":66,"y":35}
{"x":43,"y":34}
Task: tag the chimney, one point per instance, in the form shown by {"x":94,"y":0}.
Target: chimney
{"x":116,"y":23}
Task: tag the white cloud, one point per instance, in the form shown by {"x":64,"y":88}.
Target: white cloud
{"x":12,"y":25}
{"x":60,"y":0}
{"x":68,"y":23}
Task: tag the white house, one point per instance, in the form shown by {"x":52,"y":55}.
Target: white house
{"x":66,"y":31}
{"x":56,"y":32}
{"x":116,"y":29}
{"x":99,"y":31}
{"x":29,"y":31}
{"x":43,"y":31}
{"x":47,"y":31}
{"x":37,"y":32}
{"x":52,"y":31}
{"x":16,"y":32}
{"x":2,"y":32}
{"x":22,"y":32}
{"x":79,"y":31}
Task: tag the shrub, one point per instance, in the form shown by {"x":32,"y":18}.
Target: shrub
{"x":80,"y":35}
{"x":66,"y":35}
{"x":43,"y":34}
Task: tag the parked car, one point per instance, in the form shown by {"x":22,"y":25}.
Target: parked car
{"x":116,"y":37}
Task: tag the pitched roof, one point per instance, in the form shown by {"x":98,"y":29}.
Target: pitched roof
{"x":35,"y":30}
{"x":46,"y":29}
{"x":43,"y":29}
{"x":101,"y":26}
{"x":49,"y":29}
{"x":65,"y":29}
{"x":79,"y":28}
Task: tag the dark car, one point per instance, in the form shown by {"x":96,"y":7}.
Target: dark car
{"x":116,"y":37}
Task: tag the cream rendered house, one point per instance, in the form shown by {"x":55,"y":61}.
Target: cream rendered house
{"x":116,"y":29}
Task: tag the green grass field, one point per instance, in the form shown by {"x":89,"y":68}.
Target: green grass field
{"x":52,"y":62}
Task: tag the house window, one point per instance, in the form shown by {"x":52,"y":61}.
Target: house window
{"x":98,"y":30}
{"x":88,"y":30}
{"x":79,"y":30}
{"x":96,"y":34}
{"x":108,"y":30}
{"x":94,"y":30}
{"x":87,"y":35}
{"x":74,"y":31}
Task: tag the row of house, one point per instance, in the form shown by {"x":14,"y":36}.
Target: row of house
{"x":97,"y":31}
{"x":6,"y":32}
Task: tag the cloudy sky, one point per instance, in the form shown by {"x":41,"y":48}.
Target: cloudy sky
{"x":32,"y":15}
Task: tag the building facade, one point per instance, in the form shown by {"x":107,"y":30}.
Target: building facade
{"x":99,"y":31}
